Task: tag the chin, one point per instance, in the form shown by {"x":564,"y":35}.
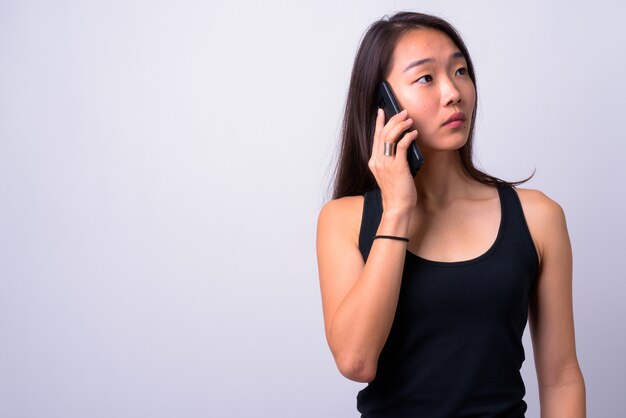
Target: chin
{"x":449,"y":143}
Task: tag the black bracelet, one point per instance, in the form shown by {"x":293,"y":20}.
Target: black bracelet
{"x":392,"y":237}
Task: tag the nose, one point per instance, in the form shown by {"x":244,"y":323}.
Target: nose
{"x":450,"y":93}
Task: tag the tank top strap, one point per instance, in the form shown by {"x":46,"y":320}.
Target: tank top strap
{"x":372,"y":213}
{"x":515,"y":226}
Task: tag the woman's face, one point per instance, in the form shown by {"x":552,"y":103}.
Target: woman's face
{"x":430,"y":80}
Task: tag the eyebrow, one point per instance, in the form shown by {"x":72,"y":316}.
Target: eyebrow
{"x":455,"y":55}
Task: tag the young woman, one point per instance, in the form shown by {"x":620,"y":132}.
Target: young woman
{"x":427,"y":282}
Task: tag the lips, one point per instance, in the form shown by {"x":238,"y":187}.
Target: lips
{"x":455,"y":116}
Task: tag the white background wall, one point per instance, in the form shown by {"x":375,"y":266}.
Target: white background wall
{"x":162,"y":165}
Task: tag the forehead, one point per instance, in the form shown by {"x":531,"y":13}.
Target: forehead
{"x":422,"y":43}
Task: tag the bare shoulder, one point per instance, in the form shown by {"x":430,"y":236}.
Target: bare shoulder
{"x":544,"y":216}
{"x":342,"y":216}
{"x":538,"y":206}
{"x":343,"y":205}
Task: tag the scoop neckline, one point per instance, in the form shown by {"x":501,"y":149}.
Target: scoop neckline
{"x":494,"y":246}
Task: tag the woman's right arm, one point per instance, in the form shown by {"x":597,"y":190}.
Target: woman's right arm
{"x":359,"y":299}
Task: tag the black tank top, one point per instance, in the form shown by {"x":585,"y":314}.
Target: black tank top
{"x":455,"y":346}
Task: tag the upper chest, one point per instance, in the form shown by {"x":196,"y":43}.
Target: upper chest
{"x":460,"y":231}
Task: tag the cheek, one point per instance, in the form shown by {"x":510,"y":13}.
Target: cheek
{"x":470,"y":96}
{"x":425,"y":116}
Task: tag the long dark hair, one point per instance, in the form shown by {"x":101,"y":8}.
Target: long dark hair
{"x":372,"y":65}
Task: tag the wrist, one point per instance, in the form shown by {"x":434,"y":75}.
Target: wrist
{"x":397,"y":215}
{"x":394,"y":222}
{"x":393,"y":237}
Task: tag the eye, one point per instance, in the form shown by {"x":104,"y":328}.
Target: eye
{"x":463,"y":69}
{"x":424,"y":76}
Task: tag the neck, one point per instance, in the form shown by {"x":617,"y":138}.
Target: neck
{"x":442,"y":178}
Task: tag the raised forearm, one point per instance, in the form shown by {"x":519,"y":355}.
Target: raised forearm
{"x":362,"y":322}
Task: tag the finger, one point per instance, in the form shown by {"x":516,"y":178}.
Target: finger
{"x":399,"y":117}
{"x":403,"y":145}
{"x":393,"y":131}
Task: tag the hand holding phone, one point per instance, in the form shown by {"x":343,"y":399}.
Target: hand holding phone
{"x":387,"y":101}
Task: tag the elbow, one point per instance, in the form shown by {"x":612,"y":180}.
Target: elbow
{"x":357,"y":369}
{"x":354,"y":361}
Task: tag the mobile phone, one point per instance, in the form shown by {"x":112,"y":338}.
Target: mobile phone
{"x":387,"y":101}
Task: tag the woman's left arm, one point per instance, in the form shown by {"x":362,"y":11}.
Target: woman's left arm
{"x":551,"y":319}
